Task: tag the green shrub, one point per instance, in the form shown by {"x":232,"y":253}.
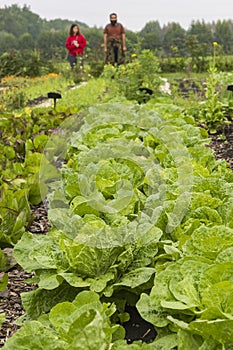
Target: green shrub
{"x":24,"y":63}
{"x":141,"y":72}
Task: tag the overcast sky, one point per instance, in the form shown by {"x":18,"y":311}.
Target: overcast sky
{"x":134,"y":14}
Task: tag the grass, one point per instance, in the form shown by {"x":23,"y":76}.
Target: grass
{"x":17,"y":91}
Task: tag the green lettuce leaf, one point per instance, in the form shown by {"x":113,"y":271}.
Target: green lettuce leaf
{"x":78,"y":325}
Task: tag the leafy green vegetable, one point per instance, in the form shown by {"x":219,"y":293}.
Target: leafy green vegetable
{"x":82,"y":324}
{"x":140,"y":213}
{"x":14,"y":216}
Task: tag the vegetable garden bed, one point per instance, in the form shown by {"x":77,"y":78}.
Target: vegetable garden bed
{"x":11,"y":301}
{"x":133,"y":249}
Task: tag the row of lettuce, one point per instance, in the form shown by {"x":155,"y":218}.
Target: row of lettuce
{"x":141,"y":214}
{"x":23,"y":136}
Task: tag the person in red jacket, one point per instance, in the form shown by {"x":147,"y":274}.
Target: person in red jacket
{"x":75,"y":44}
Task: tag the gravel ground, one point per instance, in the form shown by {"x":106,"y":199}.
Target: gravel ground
{"x":10,"y":301}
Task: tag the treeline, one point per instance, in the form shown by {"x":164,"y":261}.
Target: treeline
{"x":21,"y":29}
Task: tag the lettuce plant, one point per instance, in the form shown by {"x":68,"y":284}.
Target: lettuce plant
{"x":140,"y":214}
{"x":82,"y":324}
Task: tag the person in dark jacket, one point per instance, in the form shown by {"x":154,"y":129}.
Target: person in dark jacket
{"x":114,"y":41}
{"x":75,"y":44}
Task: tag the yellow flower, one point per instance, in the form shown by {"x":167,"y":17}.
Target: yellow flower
{"x":27,"y":111}
{"x":134,"y":55}
{"x":17,"y":115}
{"x":215,"y":43}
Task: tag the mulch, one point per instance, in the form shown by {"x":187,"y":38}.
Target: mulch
{"x":10,"y":301}
{"x":222,"y":144}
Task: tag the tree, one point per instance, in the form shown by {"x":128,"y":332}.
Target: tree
{"x":151,"y":27}
{"x":32,"y":22}
{"x":174,"y":39}
{"x":62,"y":24}
{"x":94,"y":38}
{"x":151,"y":36}
{"x":25,"y":42}
{"x":198,"y":52}
{"x":17,"y":21}
{"x":52,"y":44}
{"x":151,"y":41}
{"x":133,"y":42}
{"x":203,"y":34}
{"x":45,"y":44}
{"x":8,"y":42}
{"x":94,"y":49}
{"x":224,"y":36}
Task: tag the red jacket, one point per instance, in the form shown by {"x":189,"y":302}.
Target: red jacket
{"x":73,"y":50}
